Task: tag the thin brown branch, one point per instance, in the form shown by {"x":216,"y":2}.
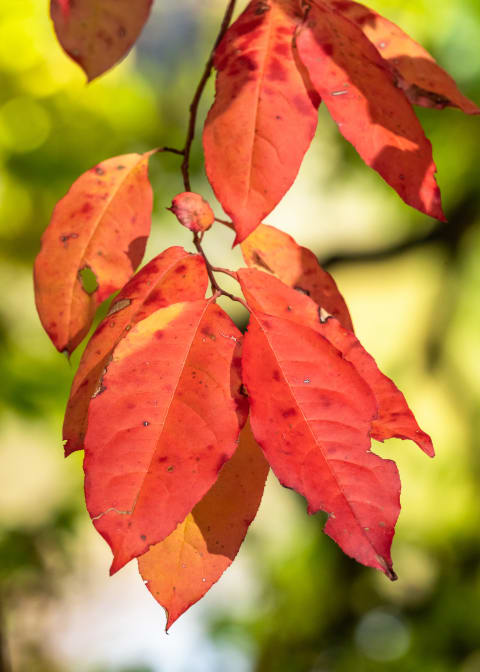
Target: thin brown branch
{"x":172,"y":150}
{"x":226,"y":222}
{"x":232,"y":274}
{"x":198,"y":237}
{"x":216,"y":289}
{"x":198,"y":94}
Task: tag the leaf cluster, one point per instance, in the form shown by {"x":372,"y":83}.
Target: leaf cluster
{"x":180,"y":415}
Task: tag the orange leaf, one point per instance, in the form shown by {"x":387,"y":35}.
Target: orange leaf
{"x":162,"y":427}
{"x":98,"y":33}
{"x":102,"y":224}
{"x":312,"y":412}
{"x":193,"y":211}
{"x":171,"y":277}
{"x":416,"y":71}
{"x":357,"y":87}
{"x":269,"y":249}
{"x":181,"y":569}
{"x":268,"y":295}
{"x":263,"y":118}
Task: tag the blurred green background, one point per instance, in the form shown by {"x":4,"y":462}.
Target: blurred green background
{"x":291,"y":602}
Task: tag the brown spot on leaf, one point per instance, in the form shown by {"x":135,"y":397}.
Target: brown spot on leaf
{"x":289,"y":412}
{"x":118,"y":305}
{"x":64,"y":238}
{"x":86,"y":207}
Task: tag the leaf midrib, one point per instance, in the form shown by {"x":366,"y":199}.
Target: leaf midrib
{"x":83,"y":254}
{"x":317,"y":443}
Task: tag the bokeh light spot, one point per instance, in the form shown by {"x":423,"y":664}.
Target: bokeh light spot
{"x":24,"y":124}
{"x":382,"y":636}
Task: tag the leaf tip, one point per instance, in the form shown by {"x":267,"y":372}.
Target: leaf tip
{"x":387,"y":568}
{"x":238,"y":239}
{"x":170,"y":621}
{"x":67,"y":447}
{"x":392,"y":575}
{"x":427,"y":446}
{"x":117,"y":563}
{"x":435,"y":209}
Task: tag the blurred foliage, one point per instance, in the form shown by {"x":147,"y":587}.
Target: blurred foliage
{"x":414,"y":289}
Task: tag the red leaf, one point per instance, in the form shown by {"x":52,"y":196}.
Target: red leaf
{"x":269,"y":249}
{"x":394,"y":418}
{"x":181,"y":569}
{"x":98,"y":33}
{"x":162,"y":427}
{"x":237,"y":388}
{"x":312,"y":412}
{"x":416,"y":71}
{"x":102,"y":224}
{"x":268,"y":295}
{"x":193,"y":211}
{"x":357,"y":87}
{"x":263,"y":118}
{"x":171,"y":277}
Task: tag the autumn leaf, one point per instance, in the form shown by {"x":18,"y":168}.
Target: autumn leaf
{"x":171,"y":277}
{"x":162,"y":427}
{"x":357,"y":87}
{"x":312,"y":412}
{"x":268,"y":295}
{"x":101,"y":227}
{"x":263,"y":118}
{"x":272,"y":250}
{"x":181,"y":569}
{"x":416,"y":72}
{"x":237,"y":388}
{"x":98,"y":33}
{"x":394,"y":418}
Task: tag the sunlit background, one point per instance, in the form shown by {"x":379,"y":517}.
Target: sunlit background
{"x":291,"y":602}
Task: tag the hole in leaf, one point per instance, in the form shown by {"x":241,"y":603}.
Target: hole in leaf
{"x":88,"y":280}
